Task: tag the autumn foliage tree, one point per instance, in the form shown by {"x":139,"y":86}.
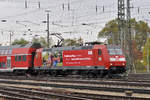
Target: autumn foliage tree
{"x":146,"y":53}
{"x":139,"y":30}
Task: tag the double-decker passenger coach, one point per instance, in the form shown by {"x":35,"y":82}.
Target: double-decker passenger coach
{"x":17,"y":58}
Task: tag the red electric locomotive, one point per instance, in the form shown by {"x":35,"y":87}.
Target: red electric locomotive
{"x":93,"y":60}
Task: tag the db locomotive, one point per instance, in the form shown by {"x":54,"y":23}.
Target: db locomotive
{"x":90,"y":60}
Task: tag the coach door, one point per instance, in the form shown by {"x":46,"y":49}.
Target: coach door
{"x":32,"y":59}
{"x":8,"y":62}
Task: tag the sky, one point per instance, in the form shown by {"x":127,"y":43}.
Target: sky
{"x":27,"y":21}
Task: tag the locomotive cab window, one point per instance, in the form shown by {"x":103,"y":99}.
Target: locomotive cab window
{"x":99,"y":52}
{"x":114,"y":51}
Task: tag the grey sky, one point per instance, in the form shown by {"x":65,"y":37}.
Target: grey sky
{"x":81,"y":11}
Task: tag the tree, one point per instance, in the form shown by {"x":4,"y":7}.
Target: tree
{"x":146,"y":53}
{"x":42,"y":41}
{"x":80,"y":41}
{"x":73,"y":42}
{"x":110,"y":31}
{"x":20,"y":42}
{"x":139,"y":30}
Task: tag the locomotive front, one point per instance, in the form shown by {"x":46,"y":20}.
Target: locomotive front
{"x":117,"y":61}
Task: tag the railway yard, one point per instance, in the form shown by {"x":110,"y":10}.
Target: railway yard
{"x":75,"y":50}
{"x":133,"y":87}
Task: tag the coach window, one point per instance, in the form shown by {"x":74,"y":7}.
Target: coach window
{"x":3,"y":64}
{"x":9,"y":51}
{"x":99,"y":52}
{"x":19,"y":58}
{"x":5,"y":52}
{"x":15,"y":58}
{"x":2,"y":52}
{"x":24,"y":58}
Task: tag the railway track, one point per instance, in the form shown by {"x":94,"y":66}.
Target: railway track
{"x":96,"y":80}
{"x":18,"y":93}
{"x":77,"y":86}
{"x":110,"y":82}
{"x":35,"y":93}
{"x":107,"y":85}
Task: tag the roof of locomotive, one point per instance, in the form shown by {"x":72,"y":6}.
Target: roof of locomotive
{"x":80,"y":47}
{"x":68,"y":48}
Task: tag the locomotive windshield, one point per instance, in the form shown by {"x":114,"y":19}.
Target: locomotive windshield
{"x":114,"y":51}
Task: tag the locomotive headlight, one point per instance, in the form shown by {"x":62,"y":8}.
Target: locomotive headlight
{"x":122,"y":59}
{"x":112,"y":59}
{"x":111,"y":64}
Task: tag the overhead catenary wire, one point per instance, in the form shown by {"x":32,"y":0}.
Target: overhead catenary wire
{"x":82,"y":13}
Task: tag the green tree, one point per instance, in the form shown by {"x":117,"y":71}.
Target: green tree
{"x":42,"y":41}
{"x":20,"y":42}
{"x":73,"y":42}
{"x":110,"y":31}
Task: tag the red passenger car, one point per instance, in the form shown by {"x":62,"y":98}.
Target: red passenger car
{"x":17,"y":58}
